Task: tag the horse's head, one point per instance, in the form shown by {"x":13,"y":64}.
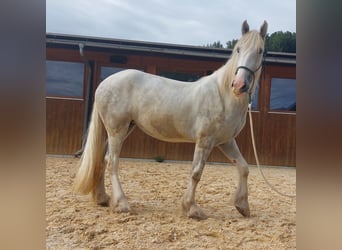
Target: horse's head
{"x":247,"y":59}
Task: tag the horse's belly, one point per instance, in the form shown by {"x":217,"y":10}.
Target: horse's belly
{"x":165,"y":135}
{"x":165,"y":129}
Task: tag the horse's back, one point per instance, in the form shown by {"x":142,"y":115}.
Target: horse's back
{"x":136,"y":85}
{"x":121,"y":78}
{"x":120,"y":85}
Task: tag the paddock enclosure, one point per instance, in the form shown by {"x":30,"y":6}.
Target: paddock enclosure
{"x":154,"y":191}
{"x":75,"y":65}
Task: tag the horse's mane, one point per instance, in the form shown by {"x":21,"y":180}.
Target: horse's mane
{"x":248,"y":40}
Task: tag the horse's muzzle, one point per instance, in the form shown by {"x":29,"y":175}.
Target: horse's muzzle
{"x":239,"y":87}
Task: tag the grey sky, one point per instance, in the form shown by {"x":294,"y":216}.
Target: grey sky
{"x":193,"y":22}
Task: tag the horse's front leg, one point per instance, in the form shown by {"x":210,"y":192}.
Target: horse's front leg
{"x":189,"y":205}
{"x":232,"y":151}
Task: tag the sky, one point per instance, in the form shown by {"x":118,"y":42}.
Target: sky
{"x":190,"y":22}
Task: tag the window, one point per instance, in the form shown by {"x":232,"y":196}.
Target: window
{"x":64,"y":78}
{"x":107,"y":71}
{"x":185,"y":77}
{"x":283,"y":94}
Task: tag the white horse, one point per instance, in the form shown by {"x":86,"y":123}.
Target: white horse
{"x":209,"y":112}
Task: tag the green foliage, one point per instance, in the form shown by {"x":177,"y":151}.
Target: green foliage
{"x":277,"y":42}
{"x":217,"y":44}
{"x":231,"y":44}
{"x":281,"y":42}
{"x":159,"y":158}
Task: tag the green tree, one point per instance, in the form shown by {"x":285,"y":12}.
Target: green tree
{"x":278,"y":42}
{"x":217,"y":44}
{"x":231,"y":44}
{"x":281,"y":42}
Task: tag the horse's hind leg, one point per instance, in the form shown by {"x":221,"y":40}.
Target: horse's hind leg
{"x":115,"y":140}
{"x":232,"y":151}
{"x":99,"y":193}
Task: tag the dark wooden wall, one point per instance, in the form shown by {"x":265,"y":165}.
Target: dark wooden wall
{"x":275,"y":131}
{"x":64,"y":115}
{"x":64,"y":125}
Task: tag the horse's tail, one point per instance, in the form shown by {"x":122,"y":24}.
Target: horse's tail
{"x":92,"y":161}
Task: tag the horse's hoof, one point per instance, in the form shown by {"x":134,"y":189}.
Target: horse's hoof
{"x":195,"y":212}
{"x":104,"y":201}
{"x":241,"y":205}
{"x":244,"y":211}
{"x":101,"y":199}
{"x":121,"y":207}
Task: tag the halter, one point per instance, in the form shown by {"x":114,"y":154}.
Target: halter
{"x":262,"y":64}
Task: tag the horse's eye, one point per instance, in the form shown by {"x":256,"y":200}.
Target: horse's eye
{"x":238,"y":50}
{"x":260,"y":51}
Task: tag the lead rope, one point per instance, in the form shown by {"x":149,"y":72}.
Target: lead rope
{"x":257,"y":159}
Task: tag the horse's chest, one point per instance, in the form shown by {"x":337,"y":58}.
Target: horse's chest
{"x":230,"y":128}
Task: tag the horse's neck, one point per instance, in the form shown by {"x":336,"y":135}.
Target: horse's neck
{"x":224,"y":77}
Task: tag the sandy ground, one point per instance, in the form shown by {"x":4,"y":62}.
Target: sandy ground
{"x":154,"y":191}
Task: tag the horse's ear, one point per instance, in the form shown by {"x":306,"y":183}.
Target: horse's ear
{"x":245,"y":27}
{"x":263,"y":29}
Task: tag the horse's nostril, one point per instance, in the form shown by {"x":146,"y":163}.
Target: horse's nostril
{"x":244,"y":87}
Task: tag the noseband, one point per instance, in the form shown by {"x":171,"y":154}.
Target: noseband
{"x":253,"y":74}
{"x":248,"y":69}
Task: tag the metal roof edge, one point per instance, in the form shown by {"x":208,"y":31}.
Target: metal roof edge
{"x":101,"y":40}
{"x":159,"y":48}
